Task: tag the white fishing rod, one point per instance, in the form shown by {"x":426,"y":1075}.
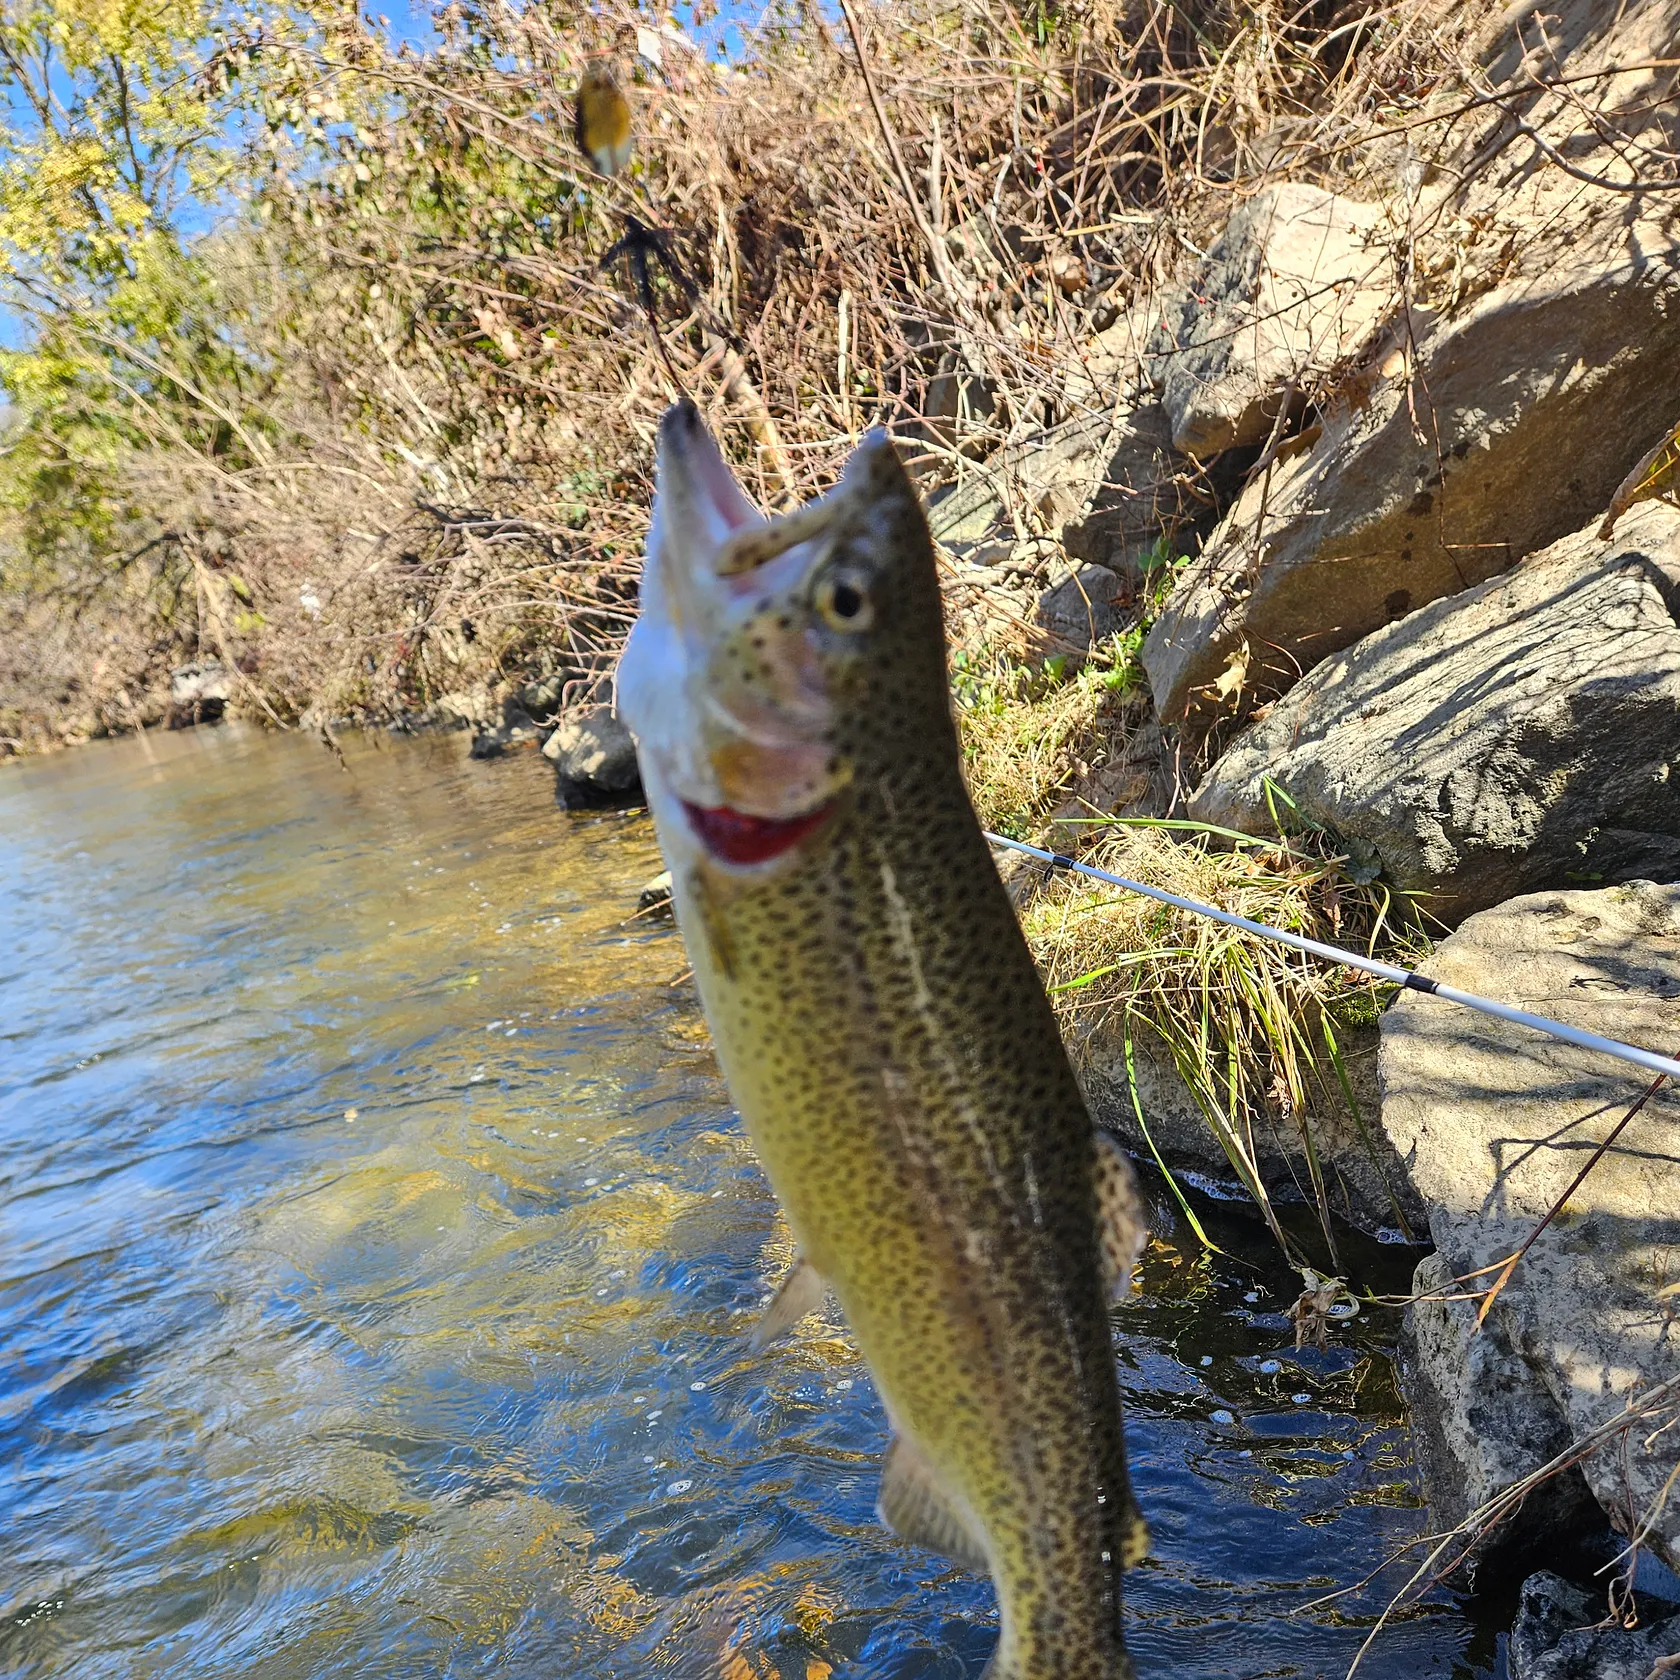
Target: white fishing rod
{"x":1409,"y":978}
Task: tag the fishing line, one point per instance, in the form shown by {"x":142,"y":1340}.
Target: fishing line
{"x":1409,"y":978}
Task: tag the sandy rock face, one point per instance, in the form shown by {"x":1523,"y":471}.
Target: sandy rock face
{"x":1493,"y":1123}
{"x":1523,"y":734}
{"x":1517,"y":381}
{"x":1542,"y":396}
{"x":1297,"y":281}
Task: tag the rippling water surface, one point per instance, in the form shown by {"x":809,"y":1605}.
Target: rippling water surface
{"x":376,"y":1253}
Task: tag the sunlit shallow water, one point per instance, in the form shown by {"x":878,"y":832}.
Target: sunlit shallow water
{"x":377,"y":1248}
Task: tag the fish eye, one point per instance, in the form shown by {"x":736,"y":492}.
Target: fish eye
{"x":842,"y":598}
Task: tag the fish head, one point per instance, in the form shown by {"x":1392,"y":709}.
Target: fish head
{"x":774,"y":661}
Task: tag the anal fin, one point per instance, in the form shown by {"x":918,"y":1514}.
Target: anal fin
{"x":1122,"y":1217}
{"x":801,"y":1292}
{"x":917,"y":1508}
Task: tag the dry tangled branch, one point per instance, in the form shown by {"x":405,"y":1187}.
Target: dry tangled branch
{"x":417,"y":464}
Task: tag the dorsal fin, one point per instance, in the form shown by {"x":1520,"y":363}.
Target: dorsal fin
{"x":1134,"y":1532}
{"x":1122,"y":1217}
{"x":800,"y":1292}
{"x":916,"y":1507}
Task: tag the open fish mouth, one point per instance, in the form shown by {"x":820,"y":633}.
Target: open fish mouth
{"x":741,"y":838}
{"x":727,"y":681}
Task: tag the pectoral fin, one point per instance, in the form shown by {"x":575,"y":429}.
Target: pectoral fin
{"x":714,"y":925}
{"x":802,"y":1291}
{"x":1122,"y":1218}
{"x":916,"y":1507}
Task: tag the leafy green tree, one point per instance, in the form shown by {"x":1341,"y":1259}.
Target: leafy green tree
{"x":121,"y":134}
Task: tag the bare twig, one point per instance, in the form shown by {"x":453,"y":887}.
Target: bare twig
{"x":1557,"y":1207}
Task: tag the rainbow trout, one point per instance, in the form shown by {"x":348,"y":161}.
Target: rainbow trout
{"x":883,"y":1030}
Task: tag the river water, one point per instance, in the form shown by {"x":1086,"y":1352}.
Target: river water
{"x":377,"y":1249}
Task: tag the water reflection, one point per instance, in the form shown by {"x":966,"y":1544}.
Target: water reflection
{"x":375,"y":1256}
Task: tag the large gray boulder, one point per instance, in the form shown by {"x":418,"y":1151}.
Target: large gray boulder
{"x":1493,"y":1123}
{"x":1542,"y":396}
{"x":594,"y":759}
{"x":1298,"y":281}
{"x":1500,"y":413}
{"x":1521,"y":735}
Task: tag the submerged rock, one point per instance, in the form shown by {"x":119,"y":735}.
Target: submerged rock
{"x":594,"y":759}
{"x":1494,"y":1122}
{"x":654,"y":900}
{"x":1515,"y":737}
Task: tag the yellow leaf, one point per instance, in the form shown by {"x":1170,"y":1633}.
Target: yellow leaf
{"x":1656,"y":476}
{"x":1230,"y":681}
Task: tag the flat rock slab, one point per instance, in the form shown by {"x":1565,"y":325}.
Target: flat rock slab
{"x":1493,"y":1122}
{"x":1297,"y":281}
{"x":1524,"y":734}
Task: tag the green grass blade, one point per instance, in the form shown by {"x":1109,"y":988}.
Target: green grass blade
{"x":1189,"y":1212}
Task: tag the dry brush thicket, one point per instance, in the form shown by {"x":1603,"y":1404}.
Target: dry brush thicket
{"x":398,"y":450}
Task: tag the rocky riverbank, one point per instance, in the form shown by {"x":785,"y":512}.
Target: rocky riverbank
{"x":1335,"y":520}
{"x":1438,"y":624}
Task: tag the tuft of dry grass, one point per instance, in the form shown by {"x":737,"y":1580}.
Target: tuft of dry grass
{"x":1034,"y":734}
{"x":1252,"y":1027}
{"x":1025,"y":741}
